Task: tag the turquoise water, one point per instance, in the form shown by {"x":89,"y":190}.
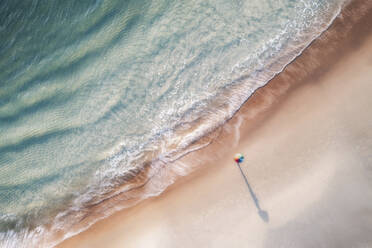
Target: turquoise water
{"x":93,"y":92}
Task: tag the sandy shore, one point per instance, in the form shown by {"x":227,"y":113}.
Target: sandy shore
{"x":307,"y":138}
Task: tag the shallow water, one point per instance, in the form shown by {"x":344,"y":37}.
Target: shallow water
{"x":93,"y":92}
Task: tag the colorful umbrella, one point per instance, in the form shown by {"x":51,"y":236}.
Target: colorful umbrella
{"x":239,"y":158}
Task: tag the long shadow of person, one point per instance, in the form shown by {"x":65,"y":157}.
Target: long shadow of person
{"x":262,"y":213}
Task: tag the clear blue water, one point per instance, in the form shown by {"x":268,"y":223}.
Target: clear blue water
{"x":92,"y":92}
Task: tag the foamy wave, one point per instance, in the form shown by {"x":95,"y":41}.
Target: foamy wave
{"x":129,"y":176}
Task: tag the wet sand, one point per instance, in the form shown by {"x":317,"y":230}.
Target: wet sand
{"x":307,"y":139}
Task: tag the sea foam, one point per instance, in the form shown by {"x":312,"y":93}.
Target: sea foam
{"x":99,"y":98}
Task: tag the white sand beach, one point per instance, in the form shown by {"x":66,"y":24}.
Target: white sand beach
{"x":307,"y":141}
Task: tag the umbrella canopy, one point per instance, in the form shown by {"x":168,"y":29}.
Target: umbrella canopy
{"x":238,"y":158}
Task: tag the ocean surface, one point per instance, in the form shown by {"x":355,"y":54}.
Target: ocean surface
{"x":97,"y":97}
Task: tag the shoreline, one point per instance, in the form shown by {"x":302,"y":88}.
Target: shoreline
{"x":259,"y":107}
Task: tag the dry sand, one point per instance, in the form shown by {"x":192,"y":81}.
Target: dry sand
{"x":307,"y":138}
